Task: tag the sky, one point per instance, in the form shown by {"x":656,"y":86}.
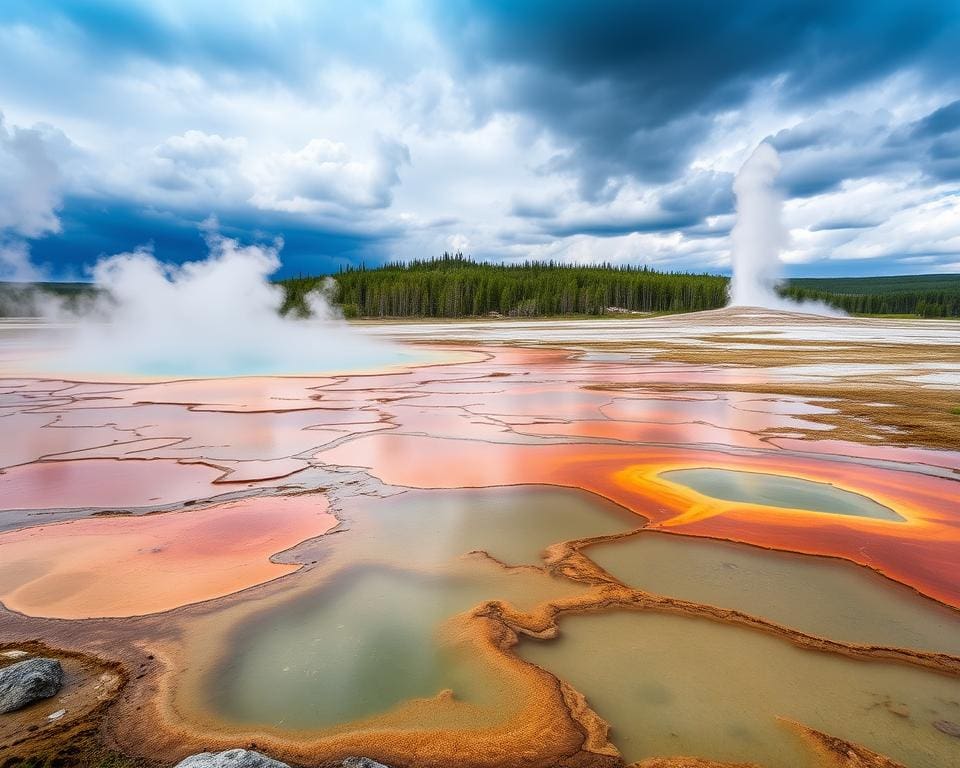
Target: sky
{"x":384,"y":130}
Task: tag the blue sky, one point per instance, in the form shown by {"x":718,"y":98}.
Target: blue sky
{"x":397,"y":129}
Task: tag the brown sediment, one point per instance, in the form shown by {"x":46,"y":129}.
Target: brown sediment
{"x":780,"y":352}
{"x":837,"y":753}
{"x":687,"y":762}
{"x":433,"y":730}
{"x":90,"y":686}
{"x":899,"y":412}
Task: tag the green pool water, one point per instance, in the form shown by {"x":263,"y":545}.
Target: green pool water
{"x":675,"y":685}
{"x":778,"y":491}
{"x":362,"y":645}
{"x":364,"y":639}
{"x":819,"y":595}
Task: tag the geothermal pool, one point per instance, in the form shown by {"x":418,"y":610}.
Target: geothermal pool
{"x":778,"y":491}
{"x":500,"y":544}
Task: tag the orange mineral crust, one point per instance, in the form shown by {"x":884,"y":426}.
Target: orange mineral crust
{"x":132,"y":566}
{"x":922,"y":551}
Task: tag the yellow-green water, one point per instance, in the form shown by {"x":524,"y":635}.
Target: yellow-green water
{"x":817,"y":595}
{"x":675,"y":685}
{"x":364,"y":639}
{"x":778,"y":491}
{"x":363,"y":644}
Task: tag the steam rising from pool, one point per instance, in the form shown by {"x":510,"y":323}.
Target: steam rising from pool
{"x":759,"y":235}
{"x":215,"y":317}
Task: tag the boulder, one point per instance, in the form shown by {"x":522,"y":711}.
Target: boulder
{"x":361,"y":762}
{"x":232,"y":758}
{"x":27,"y":681}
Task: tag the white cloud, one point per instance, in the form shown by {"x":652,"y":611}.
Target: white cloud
{"x":30,"y":193}
{"x":458,"y":243}
{"x":325,"y":172}
{"x":930,"y":229}
{"x":200,"y":164}
{"x":30,"y":182}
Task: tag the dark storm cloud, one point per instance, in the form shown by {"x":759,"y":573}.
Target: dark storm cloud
{"x":943,"y":120}
{"x":94,"y":228}
{"x":941,"y":158}
{"x":706,"y":193}
{"x":683,"y":206}
{"x":821,"y":153}
{"x":533,"y":209}
{"x":815,"y":171}
{"x":636,"y":85}
{"x":615,"y":226}
{"x":834,"y":224}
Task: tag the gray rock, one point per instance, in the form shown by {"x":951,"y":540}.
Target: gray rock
{"x":361,"y":762}
{"x":27,"y":681}
{"x":232,"y":758}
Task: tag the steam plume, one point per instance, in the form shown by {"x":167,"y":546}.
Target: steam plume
{"x":218,"y":316}
{"x":759,"y":235}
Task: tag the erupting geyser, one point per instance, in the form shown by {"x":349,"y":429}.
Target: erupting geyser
{"x":759,"y":232}
{"x":759,"y":235}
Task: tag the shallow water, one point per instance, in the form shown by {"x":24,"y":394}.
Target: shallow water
{"x":778,"y":491}
{"x":370,"y":630}
{"x":290,"y":348}
{"x":363,"y":644}
{"x":513,"y":525}
{"x":817,"y":595}
{"x":674,"y":685}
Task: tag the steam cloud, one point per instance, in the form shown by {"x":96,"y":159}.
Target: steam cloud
{"x":219,"y":316}
{"x":759,"y":235}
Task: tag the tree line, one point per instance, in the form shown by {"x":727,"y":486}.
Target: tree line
{"x":927,"y":303}
{"x":456,"y":286}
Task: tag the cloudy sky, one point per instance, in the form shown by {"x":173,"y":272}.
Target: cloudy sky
{"x":396,"y":129}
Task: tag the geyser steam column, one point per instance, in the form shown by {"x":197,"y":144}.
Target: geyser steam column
{"x":759,"y":233}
